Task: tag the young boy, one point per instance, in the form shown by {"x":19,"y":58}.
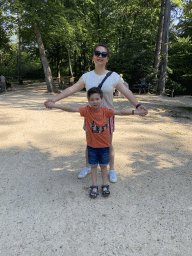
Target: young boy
{"x":98,"y":137}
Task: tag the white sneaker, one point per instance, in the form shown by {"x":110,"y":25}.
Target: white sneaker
{"x":112,"y":176}
{"x":84,"y":172}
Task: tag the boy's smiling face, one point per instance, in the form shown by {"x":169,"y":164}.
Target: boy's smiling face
{"x":95,"y":101}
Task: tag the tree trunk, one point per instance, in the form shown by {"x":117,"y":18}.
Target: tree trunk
{"x":59,"y":71}
{"x":46,"y":67}
{"x":58,"y":63}
{"x":19,"y":59}
{"x":70,"y":66}
{"x":165,"y":40}
{"x":19,"y":52}
{"x":75,"y":66}
{"x":159,"y":37}
{"x":84,"y":58}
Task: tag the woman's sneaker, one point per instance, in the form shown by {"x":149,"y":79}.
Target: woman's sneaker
{"x":112,"y":176}
{"x":84,"y":172}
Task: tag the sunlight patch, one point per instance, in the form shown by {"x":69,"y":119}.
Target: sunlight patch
{"x":57,"y":169}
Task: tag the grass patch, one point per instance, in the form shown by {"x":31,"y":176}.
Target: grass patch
{"x":185,"y":108}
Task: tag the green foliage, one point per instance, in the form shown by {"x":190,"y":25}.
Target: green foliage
{"x":136,"y":27}
{"x":186,"y":108}
{"x":178,"y":3}
{"x":180,"y":53}
{"x":129,"y":28}
{"x":9,"y":60}
{"x":4,"y":36}
{"x":31,"y":66}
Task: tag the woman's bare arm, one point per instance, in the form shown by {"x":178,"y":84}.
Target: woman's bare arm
{"x":50,"y":104}
{"x":79,"y":85}
{"x":130,"y":96}
{"x":125,"y":112}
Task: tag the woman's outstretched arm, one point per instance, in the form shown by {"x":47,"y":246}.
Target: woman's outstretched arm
{"x":79,"y":85}
{"x":130,"y":96}
{"x":61,"y":106}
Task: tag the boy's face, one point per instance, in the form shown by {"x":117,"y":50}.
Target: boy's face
{"x":95,"y":101}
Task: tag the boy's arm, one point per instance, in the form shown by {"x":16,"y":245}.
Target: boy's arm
{"x":61,"y":106}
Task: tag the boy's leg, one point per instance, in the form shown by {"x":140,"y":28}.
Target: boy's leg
{"x":105,"y":187}
{"x":94,"y":175}
{"x":104,"y":161}
{"x":104,"y":174}
{"x":93,"y":161}
{"x":94,"y":188}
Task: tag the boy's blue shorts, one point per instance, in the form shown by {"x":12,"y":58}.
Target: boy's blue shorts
{"x":98,"y":156}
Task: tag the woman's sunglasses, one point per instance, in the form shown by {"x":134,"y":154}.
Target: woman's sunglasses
{"x":103,"y":54}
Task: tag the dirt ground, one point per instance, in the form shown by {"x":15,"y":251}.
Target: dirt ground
{"x":45,"y":209}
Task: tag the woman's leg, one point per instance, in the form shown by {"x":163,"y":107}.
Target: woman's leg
{"x":112,"y":174}
{"x":111,"y":154}
{"x":86,"y":158}
{"x":86,"y":170}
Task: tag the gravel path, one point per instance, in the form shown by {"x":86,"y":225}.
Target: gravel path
{"x":45,"y":209}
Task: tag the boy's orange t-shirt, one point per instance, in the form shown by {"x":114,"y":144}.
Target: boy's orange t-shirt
{"x":98,"y":135}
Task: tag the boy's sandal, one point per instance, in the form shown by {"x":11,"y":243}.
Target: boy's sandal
{"x":105,"y":192}
{"x":93,"y":194}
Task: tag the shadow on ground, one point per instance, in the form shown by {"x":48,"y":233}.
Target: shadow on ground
{"x":46,"y":210}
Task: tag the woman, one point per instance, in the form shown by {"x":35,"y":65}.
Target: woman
{"x":92,"y":79}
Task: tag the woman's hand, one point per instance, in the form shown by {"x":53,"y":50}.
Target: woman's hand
{"x":142,"y":110}
{"x":49,"y":104}
{"x":49,"y":100}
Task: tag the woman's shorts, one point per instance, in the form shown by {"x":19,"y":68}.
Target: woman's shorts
{"x":98,"y":156}
{"x":110,"y":121}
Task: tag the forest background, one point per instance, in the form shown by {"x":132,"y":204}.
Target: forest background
{"x":149,"y":40}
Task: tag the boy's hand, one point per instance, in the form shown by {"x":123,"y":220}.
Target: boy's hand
{"x":142,"y":110}
{"x":49,"y":104}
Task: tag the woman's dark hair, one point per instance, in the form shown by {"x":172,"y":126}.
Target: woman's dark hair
{"x":94,"y":90}
{"x":102,"y":45}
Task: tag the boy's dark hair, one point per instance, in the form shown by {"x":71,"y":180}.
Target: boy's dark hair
{"x":94,"y":90}
{"x":102,"y":45}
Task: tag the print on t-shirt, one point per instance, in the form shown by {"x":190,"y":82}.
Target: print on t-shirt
{"x":97,"y":129}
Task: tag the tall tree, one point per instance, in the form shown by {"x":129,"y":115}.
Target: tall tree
{"x":46,"y":67}
{"x":160,"y":35}
{"x":180,"y":53}
{"x":165,"y":39}
{"x":35,"y":15}
{"x":4,"y":37}
{"x":19,"y":51}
